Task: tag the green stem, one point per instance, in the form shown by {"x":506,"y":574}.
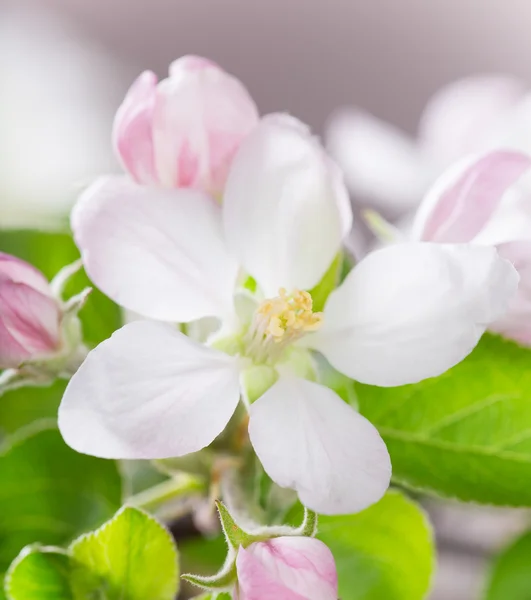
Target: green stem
{"x":177,"y":487}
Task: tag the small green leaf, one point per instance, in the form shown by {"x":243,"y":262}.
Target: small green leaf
{"x":214,"y":596}
{"x":49,"y":493}
{"x":386,"y":551}
{"x":510,"y":578}
{"x":39,"y":573}
{"x":50,"y":252}
{"x":465,"y":434}
{"x":131,"y":557}
{"x":327,"y":284}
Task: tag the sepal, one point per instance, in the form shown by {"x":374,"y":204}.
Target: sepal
{"x":222,"y":581}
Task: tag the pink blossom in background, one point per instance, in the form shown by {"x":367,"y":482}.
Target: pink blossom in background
{"x":184,"y":131}
{"x":29,"y":314}
{"x":387,"y":169}
{"x":485,"y":200}
{"x":286,"y":568}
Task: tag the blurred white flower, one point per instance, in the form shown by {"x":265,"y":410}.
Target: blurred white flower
{"x":55,"y":116}
{"x":390,"y":171}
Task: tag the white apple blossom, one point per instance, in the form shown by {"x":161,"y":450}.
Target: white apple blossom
{"x":403,"y":314}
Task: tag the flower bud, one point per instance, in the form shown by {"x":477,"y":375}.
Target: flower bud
{"x":184,"y":131}
{"x":29,"y":314}
{"x":40,"y":334}
{"x":286,"y":568}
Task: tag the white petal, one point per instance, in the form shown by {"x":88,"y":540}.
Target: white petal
{"x":310,"y":440}
{"x":467,"y":195}
{"x":511,"y":220}
{"x":148,"y":392}
{"x":412,"y":311}
{"x":516,"y":323}
{"x":382,"y":165}
{"x":462,"y":116}
{"x":285,"y":207}
{"x":157,"y":252}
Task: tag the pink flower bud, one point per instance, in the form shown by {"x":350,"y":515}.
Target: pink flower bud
{"x":286,"y":568}
{"x":29,"y":314}
{"x":184,"y":131}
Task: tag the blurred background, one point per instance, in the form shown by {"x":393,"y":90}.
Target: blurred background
{"x":66,"y":64}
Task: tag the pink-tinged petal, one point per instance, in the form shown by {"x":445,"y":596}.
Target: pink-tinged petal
{"x":286,"y":568}
{"x":309,"y":440}
{"x":464,"y":198}
{"x":157,"y":252}
{"x":133,"y":129}
{"x":516,"y":323}
{"x":285,"y":209}
{"x":383,"y":166}
{"x":412,"y":311}
{"x":19,"y":271}
{"x":201,"y":116}
{"x":511,"y":220}
{"x":463,"y":115}
{"x":29,"y":324}
{"x":149,"y":392}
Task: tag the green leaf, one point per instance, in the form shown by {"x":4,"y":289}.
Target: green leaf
{"x":25,"y":405}
{"x":39,"y":573}
{"x":386,"y":551}
{"x":465,"y":434}
{"x":50,"y":252}
{"x":49,"y":493}
{"x":510,"y":578}
{"x":214,"y":596}
{"x":132,"y":557}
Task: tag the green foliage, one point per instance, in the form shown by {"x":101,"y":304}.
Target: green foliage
{"x":50,"y":252}
{"x":131,"y":557}
{"x":510,"y":578}
{"x":40,"y":573}
{"x":466,"y":434}
{"x":386,"y":551}
{"x":25,"y":405}
{"x":49,"y":492}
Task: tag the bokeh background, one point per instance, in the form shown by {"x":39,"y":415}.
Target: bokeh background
{"x":65,"y":65}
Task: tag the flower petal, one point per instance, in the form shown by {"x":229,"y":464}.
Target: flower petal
{"x":516,"y":324}
{"x":511,"y":220}
{"x":159,"y":252}
{"x":412,"y":311}
{"x":201,"y":116}
{"x":383,"y":166}
{"x":286,"y":568}
{"x":464,"y":198}
{"x":310,"y":440}
{"x":285,"y":208}
{"x":132,"y":130}
{"x":148,"y":392}
{"x":29,"y":324}
{"x":19,"y":271}
{"x":461,"y":117}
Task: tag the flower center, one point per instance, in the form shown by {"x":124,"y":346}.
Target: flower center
{"x":280,"y":321}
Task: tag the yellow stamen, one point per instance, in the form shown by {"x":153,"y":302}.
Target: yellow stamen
{"x":284,"y":319}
